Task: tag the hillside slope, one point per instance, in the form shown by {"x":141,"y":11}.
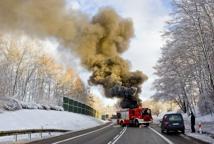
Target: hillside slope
{"x":29,"y":119}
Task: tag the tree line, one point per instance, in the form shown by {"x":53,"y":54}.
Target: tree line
{"x":185,"y":69}
{"x":29,"y":74}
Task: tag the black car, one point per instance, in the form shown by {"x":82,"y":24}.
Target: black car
{"x":173,"y":122}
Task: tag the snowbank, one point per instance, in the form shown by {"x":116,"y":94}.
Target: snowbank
{"x":9,"y":104}
{"x":12,"y":104}
{"x":206,"y":118}
{"x":207,"y":122}
{"x":202,"y":137}
{"x":35,"y":119}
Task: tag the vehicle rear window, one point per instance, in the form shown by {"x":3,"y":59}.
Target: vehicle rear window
{"x":175,"y":118}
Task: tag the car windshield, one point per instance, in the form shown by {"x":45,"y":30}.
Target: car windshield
{"x":175,"y":118}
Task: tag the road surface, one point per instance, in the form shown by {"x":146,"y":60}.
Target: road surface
{"x":114,"y":134}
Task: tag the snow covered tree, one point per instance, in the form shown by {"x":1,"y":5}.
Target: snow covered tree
{"x":186,"y":67}
{"x":29,"y":74}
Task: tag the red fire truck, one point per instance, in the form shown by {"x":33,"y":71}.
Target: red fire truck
{"x":134,"y":117}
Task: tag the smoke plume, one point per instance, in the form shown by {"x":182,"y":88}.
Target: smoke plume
{"x":98,"y":41}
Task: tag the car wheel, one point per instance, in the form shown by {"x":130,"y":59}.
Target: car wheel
{"x":121,"y":123}
{"x":167,"y":131}
{"x":183,"y":131}
{"x":162,"y":131}
{"x":132,"y":123}
{"x":147,"y":124}
{"x":136,"y":123}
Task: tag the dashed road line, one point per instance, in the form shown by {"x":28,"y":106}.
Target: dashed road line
{"x":162,"y":136}
{"x":117,"y":137}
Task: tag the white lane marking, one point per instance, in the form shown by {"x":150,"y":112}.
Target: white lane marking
{"x":117,"y":136}
{"x":65,"y":140}
{"x":116,"y":139}
{"x":163,"y":137}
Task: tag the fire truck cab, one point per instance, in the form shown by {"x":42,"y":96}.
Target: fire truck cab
{"x":134,"y":117}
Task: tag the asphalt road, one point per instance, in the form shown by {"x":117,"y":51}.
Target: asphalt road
{"x":113,"y":134}
{"x":177,"y":138}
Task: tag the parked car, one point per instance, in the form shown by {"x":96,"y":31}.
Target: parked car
{"x":172,"y":122}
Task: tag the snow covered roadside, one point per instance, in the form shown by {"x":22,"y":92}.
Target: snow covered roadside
{"x":202,"y":137}
{"x":207,"y":122}
{"x":37,"y":119}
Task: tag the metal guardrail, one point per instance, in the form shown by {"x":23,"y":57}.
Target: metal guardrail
{"x":29,"y":132}
{"x":78,"y":107}
{"x":16,"y":132}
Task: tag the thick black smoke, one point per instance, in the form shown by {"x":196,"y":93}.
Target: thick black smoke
{"x":128,"y":95}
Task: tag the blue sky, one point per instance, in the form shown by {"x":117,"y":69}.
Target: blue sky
{"x":93,"y":6}
{"x":149,"y":17}
{"x":167,"y":4}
